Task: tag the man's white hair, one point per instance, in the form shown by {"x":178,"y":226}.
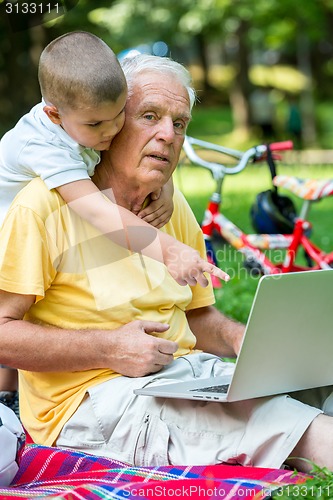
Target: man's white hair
{"x":140,"y":63}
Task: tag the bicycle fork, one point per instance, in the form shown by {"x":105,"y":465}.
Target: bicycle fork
{"x":214,"y":220}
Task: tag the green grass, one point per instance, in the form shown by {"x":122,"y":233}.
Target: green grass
{"x":211,"y":124}
{"x":215,"y":124}
{"x":320,"y":486}
{"x":235,"y":298}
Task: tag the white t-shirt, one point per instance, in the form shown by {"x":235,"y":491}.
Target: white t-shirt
{"x":36,"y":147}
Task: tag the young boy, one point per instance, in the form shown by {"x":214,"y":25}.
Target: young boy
{"x":84,"y":94}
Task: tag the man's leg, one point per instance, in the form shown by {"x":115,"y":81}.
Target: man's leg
{"x":148,"y":431}
{"x":315,"y":445}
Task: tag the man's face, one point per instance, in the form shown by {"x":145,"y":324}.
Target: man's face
{"x":157,"y":114}
{"x":94,"y":127}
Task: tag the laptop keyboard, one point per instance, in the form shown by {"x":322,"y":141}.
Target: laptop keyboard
{"x":223,"y":389}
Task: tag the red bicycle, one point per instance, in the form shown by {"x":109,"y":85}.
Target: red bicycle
{"x":254,"y":246}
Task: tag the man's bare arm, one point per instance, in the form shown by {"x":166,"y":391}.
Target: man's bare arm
{"x":215,"y":333}
{"x":34,"y":347}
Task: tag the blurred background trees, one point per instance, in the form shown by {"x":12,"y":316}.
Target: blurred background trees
{"x":242,"y":54}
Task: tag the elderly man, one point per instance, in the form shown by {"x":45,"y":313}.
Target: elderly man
{"x":86,"y":321}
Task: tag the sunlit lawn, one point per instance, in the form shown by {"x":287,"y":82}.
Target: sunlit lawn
{"x":215,"y":124}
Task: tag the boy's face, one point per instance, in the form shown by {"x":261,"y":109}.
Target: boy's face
{"x":92,"y":127}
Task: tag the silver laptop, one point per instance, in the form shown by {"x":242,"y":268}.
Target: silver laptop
{"x":288,"y":343}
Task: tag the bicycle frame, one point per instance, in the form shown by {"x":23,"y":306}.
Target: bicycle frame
{"x":253,"y":246}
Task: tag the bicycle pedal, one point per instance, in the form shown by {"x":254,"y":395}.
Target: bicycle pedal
{"x":255,"y":268}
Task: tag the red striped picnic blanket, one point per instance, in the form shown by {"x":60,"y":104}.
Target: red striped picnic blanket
{"x":50,"y":473}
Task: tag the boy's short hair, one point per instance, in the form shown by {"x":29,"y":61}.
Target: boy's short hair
{"x":77,"y":70}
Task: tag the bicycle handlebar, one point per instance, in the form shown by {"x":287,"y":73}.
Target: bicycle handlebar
{"x":281,"y":146}
{"x":255,"y":153}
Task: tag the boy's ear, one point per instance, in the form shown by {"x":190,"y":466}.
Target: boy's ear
{"x":53,"y":113}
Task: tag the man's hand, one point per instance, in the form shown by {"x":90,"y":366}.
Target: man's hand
{"x":129,"y":350}
{"x":138,"y":353}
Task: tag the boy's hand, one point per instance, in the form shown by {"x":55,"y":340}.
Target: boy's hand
{"x":187,"y":267}
{"x":160,"y":209}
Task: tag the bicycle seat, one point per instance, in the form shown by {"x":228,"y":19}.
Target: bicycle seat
{"x":307,"y":189}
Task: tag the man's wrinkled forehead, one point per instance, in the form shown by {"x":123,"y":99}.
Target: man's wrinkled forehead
{"x":154,"y":89}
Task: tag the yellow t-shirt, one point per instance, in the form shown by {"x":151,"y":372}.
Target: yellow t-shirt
{"x":82,"y":280}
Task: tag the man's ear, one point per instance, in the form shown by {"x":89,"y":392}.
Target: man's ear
{"x":53,"y":113}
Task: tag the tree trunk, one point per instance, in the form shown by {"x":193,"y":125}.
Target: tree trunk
{"x":307,"y":106}
{"x":241,"y":87}
{"x":20,"y":89}
{"x":201,"y":45}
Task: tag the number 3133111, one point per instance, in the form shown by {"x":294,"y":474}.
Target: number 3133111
{"x":15,"y":7}
{"x":304,"y":491}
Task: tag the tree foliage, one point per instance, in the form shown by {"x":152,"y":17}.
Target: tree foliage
{"x":239,"y":33}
